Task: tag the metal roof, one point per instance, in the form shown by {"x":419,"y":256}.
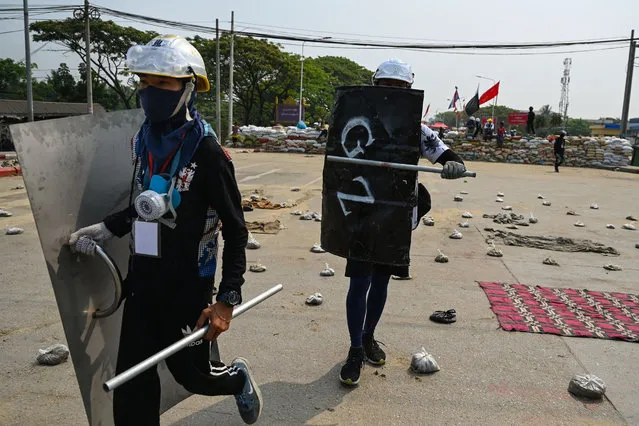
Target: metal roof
{"x":18,"y":108}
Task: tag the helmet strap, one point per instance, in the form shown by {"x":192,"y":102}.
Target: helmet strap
{"x":188,"y":90}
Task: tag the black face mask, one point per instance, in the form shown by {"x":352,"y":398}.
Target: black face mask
{"x":159,"y":104}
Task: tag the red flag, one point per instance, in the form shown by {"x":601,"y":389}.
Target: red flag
{"x":489,"y":94}
{"x":426,"y":113}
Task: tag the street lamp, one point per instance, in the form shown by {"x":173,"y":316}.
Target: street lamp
{"x":494,"y":82}
{"x":302,"y":74}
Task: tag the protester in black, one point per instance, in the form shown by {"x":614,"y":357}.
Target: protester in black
{"x":188,"y":182}
{"x":559,"y":148}
{"x":530,"y":124}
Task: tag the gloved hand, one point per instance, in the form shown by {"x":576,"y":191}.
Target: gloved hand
{"x":97,"y":232}
{"x":453,"y":170}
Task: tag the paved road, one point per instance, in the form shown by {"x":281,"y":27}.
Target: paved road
{"x":488,"y":376}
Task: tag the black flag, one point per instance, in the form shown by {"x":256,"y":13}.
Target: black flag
{"x":473,"y":105}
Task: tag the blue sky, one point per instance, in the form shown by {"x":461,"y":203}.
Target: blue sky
{"x":597,"y":77}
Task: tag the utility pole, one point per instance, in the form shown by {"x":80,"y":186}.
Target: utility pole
{"x":301,"y":84}
{"x":27,"y":51}
{"x":231,"y":74}
{"x":564,"y":100}
{"x":218,"y":103}
{"x":626,"y":94}
{"x":87,"y":47}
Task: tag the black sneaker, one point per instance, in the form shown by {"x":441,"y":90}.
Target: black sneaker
{"x":249,"y":400}
{"x":350,"y":371}
{"x":374,"y":354}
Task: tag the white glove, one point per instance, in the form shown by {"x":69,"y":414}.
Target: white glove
{"x":453,"y":170}
{"x":98,"y":233}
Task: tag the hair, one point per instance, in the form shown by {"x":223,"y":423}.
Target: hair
{"x":530,"y":108}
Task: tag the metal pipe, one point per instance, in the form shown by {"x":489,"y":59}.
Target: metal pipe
{"x":218,"y":102}
{"x":87,"y":47}
{"x":117,"y":281}
{"x":27,"y":53}
{"x":231,"y":60}
{"x":386,"y":165}
{"x":132,"y":372}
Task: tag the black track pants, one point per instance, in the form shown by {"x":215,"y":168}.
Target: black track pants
{"x":149,"y":326}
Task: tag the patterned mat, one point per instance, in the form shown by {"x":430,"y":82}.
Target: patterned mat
{"x":564,"y":311}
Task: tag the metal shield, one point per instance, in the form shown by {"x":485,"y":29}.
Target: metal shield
{"x":77,"y":170}
{"x":367,"y":211}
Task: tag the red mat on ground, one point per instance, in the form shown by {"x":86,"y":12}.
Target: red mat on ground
{"x":564,"y":311}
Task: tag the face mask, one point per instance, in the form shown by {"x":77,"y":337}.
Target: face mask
{"x":159,"y":104}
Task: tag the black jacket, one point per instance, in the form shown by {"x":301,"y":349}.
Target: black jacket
{"x":560,"y":144}
{"x":188,"y":253}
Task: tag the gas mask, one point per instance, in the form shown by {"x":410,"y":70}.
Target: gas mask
{"x":158,"y":200}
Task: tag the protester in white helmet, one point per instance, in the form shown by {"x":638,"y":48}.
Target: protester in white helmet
{"x":169,"y":288}
{"x":369,"y":281}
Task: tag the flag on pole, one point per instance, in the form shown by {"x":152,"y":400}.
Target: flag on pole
{"x":489,"y":94}
{"x":453,"y":102}
{"x":473,"y":104}
{"x":426,"y":113}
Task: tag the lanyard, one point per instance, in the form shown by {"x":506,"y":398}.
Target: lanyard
{"x":166,"y":163}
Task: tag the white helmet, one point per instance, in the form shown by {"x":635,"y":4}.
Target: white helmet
{"x":168,"y":56}
{"x":394,"y":69}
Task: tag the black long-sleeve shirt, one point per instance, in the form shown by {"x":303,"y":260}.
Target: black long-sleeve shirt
{"x":209,"y":191}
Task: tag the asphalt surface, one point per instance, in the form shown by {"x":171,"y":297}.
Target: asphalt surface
{"x":488,"y":376}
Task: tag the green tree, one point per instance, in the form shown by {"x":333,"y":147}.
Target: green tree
{"x":63,"y":84}
{"x":109,"y":44}
{"x":578,"y":127}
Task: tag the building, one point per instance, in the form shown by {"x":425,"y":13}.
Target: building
{"x":15,"y":111}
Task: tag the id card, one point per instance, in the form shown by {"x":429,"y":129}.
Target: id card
{"x":146,"y":238}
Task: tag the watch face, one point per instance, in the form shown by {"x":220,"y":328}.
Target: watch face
{"x":232,"y":298}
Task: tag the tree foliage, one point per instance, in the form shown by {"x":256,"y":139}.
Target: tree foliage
{"x":109,"y":44}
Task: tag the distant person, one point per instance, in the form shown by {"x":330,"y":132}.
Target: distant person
{"x":489,"y":128}
{"x":559,"y":148}
{"x":470,"y":124}
{"x":477,"y":127}
{"x":501,"y":131}
{"x":235,"y":134}
{"x":441,"y":133}
{"x":513,"y":132}
{"x":530,"y":124}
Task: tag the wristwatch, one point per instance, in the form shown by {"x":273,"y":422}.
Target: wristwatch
{"x":230,"y":298}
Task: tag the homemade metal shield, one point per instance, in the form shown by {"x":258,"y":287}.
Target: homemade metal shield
{"x":367,"y":211}
{"x":76,"y":171}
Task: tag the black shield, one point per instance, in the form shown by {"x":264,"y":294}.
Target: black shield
{"x":366,"y":210}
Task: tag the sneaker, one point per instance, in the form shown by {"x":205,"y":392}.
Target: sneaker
{"x":350,"y":371}
{"x":374,"y":354}
{"x":249,"y":401}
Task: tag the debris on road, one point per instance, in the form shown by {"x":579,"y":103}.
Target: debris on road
{"x":552,"y":243}
{"x":13,"y":230}
{"x":402,"y":278}
{"x":295,"y":189}
{"x":499,"y":200}
{"x":512,"y":227}
{"x":272,"y":227}
{"x":296,"y":212}
{"x":423,"y":363}
{"x":327,"y":272}
{"x":504,"y":218}
{"x":612,"y":267}
{"x":579,"y":224}
{"x":17,"y":187}
{"x":507,"y":208}
{"x":550,"y":261}
{"x":594,"y":206}
{"x":309,"y":215}
{"x":546,"y":203}
{"x":587,"y":386}
{"x":500,"y":194}
{"x":257,"y":267}
{"x":428,"y":221}
{"x":317,"y":248}
{"x":252,"y":243}
{"x":634,"y":219}
{"x":464,"y":225}
{"x":441,"y":257}
{"x":318,"y":218}
{"x":456,"y":235}
{"x":610,"y":226}
{"x":629,"y":226}
{"x":463,"y":192}
{"x":572,"y":213}
{"x":494,"y":251}
{"x":539,"y":196}
{"x":467,"y":215}
{"x":5,"y":213}
{"x":533,"y":219}
{"x":458,"y":198}
{"x":53,"y":355}
{"x":315,"y":299}
{"x":444,"y":317}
